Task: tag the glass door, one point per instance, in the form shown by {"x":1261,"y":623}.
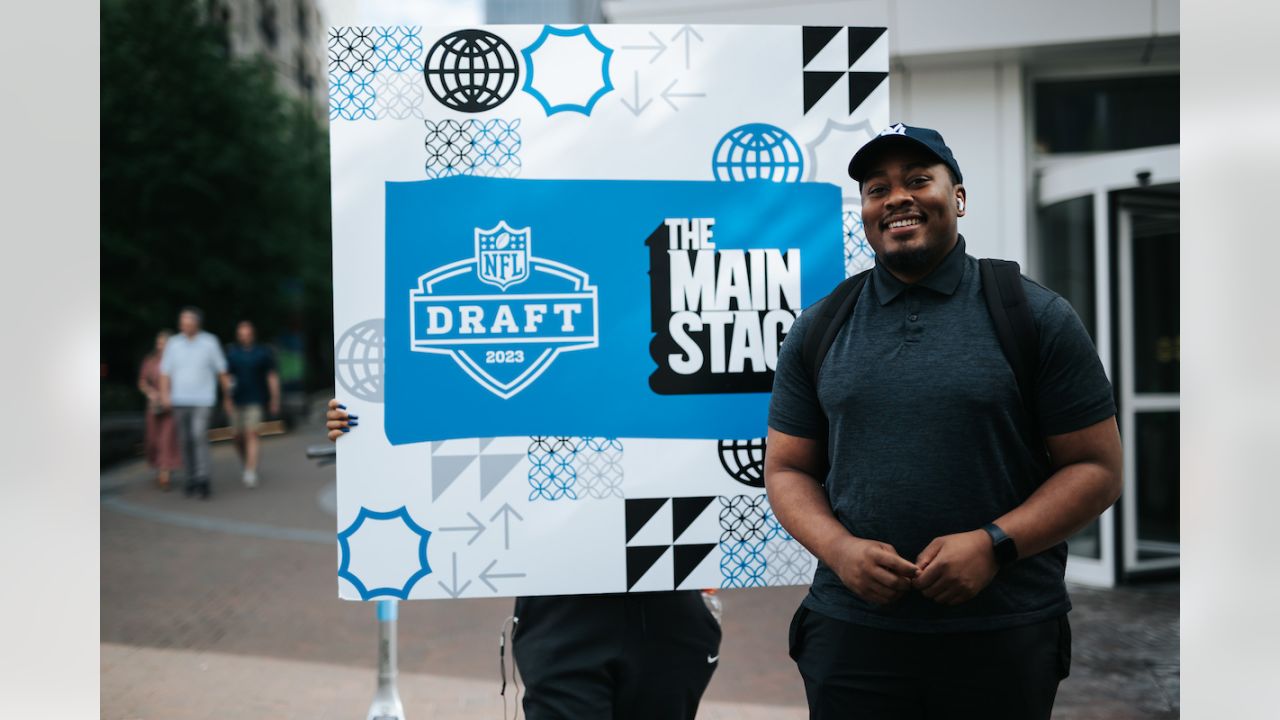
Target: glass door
{"x":1071,"y":239}
{"x":1073,"y":252}
{"x":1148,"y":260}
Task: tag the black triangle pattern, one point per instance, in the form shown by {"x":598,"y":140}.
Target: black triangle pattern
{"x":640,"y":558}
{"x":861,"y":85}
{"x":640,"y":511}
{"x":687,"y":558}
{"x":814,"y":39}
{"x":860,"y":41}
{"x":684,"y":510}
{"x":816,"y":85}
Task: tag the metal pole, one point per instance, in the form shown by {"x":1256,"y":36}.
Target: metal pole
{"x":386,"y":701}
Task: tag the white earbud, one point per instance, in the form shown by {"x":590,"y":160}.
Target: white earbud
{"x":960,"y":204}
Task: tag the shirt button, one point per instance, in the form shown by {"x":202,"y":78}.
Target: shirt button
{"x":913,"y":317}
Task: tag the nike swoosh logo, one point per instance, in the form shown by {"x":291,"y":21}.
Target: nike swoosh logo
{"x":712,"y":658}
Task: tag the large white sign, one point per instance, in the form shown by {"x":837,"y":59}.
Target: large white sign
{"x":561,"y":380}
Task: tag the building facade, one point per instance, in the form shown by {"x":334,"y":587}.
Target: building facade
{"x":289,"y":34}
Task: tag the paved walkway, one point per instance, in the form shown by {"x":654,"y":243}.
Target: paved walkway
{"x":229,"y":608}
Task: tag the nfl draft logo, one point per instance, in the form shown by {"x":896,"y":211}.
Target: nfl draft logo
{"x":503,"y":255}
{"x":503,"y":340}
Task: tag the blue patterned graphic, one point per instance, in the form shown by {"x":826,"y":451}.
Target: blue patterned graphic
{"x":552,"y":475}
{"x":398,"y":49}
{"x":774,"y":528}
{"x":755,"y":550}
{"x":858,"y":255}
{"x":746,"y":524}
{"x":351,"y":68}
{"x":742,"y":563}
{"x":472,"y":147}
{"x":575,"y":468}
{"x":375,"y":73}
{"x":351,"y":96}
{"x":400,"y":514}
{"x":757,"y":151}
{"x":556,"y":105}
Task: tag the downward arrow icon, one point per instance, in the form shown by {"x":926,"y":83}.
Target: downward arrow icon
{"x":454,"y":591}
{"x":638,"y":107}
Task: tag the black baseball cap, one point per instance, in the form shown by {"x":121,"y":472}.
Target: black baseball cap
{"x":926,"y":138}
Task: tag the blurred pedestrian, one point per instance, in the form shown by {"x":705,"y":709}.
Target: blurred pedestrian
{"x":160,"y":441}
{"x":255,"y":384}
{"x":190,"y":370}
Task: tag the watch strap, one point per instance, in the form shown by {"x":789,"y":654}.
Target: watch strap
{"x":1005,"y":549}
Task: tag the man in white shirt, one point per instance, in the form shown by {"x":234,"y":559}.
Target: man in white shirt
{"x":190,"y":370}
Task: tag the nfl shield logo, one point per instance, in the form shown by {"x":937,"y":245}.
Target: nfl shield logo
{"x":502,"y":255}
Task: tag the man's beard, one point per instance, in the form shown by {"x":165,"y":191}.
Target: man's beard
{"x":911,"y":261}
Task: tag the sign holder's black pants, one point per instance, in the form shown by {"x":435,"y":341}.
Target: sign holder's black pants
{"x":854,"y":672}
{"x":615,"y":657}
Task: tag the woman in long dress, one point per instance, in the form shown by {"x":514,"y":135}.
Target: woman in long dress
{"x":161,"y":440}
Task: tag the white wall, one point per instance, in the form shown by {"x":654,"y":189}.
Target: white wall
{"x":978,"y":109}
{"x":748,"y":12}
{"x":402,"y":12}
{"x":924,"y":27}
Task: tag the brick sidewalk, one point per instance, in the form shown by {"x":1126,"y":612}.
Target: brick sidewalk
{"x":142,"y":683}
{"x":239,"y":593}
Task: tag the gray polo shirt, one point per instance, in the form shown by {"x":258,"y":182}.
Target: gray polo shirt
{"x":928,"y":434}
{"x":193,"y":365}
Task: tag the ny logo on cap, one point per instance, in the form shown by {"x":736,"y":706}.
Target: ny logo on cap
{"x":895,"y":129}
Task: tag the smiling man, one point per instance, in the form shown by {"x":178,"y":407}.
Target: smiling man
{"x":935,"y":483}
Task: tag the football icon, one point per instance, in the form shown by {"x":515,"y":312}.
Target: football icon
{"x":502,"y":241}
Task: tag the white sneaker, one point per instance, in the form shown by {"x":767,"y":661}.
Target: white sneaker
{"x":250,"y":478}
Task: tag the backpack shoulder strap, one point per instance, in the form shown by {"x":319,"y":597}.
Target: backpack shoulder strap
{"x":1015,"y":325}
{"x":830,"y":314}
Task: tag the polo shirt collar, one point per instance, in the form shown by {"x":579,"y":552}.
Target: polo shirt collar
{"x":944,"y":279}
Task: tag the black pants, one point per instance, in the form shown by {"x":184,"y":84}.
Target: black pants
{"x":614,"y":657}
{"x":854,"y":671}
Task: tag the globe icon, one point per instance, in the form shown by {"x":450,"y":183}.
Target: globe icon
{"x":471,"y":70}
{"x":358,"y":360}
{"x":743,"y":460}
{"x":757,"y":151}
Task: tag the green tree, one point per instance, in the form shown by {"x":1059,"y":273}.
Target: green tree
{"x":215,"y":190}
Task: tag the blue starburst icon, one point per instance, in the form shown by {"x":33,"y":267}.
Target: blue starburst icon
{"x":394,"y":557}
{"x":575,"y":72}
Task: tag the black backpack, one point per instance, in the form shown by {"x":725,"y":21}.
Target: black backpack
{"x":1006,"y":301}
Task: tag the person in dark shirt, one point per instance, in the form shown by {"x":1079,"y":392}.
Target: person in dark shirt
{"x":256,"y":385}
{"x":912,"y":468}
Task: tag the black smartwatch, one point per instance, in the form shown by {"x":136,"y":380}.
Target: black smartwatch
{"x":1006,"y":551}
